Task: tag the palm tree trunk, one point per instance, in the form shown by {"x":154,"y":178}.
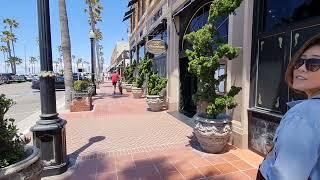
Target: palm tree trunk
{"x":13,"y":52}
{"x":66,"y":49}
{"x":9,"y":58}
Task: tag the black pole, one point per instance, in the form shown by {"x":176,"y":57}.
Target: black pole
{"x":93,"y":67}
{"x":49,"y":132}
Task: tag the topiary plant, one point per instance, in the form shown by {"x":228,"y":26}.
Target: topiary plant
{"x":207,"y":50}
{"x":128,"y":73}
{"x":144,"y":70}
{"x":11,"y":145}
{"x":81,"y":85}
{"x":156,"y":84}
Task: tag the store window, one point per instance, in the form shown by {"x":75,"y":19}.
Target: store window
{"x":281,"y":13}
{"x":141,"y":53}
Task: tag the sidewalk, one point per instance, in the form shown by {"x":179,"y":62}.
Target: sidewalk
{"x":120,"y":139}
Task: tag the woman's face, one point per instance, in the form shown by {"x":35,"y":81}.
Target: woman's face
{"x":304,"y":80}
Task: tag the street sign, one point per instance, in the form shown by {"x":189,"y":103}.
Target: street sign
{"x":156,"y":46}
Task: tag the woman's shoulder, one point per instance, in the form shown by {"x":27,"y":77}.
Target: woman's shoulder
{"x":308,"y":110}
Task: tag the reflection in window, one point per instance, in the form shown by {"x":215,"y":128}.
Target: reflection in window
{"x":221,"y":71}
{"x":201,"y":18}
{"x":280,"y":13}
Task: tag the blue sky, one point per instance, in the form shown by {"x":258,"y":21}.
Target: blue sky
{"x":25,"y":12}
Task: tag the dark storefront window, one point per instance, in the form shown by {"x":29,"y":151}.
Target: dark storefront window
{"x":141,"y":53}
{"x":281,"y":13}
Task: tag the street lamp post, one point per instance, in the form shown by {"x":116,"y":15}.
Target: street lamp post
{"x":92,"y":37}
{"x":49,"y":133}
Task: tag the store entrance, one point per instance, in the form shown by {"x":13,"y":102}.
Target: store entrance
{"x":188,"y":87}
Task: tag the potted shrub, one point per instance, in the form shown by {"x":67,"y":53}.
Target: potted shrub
{"x":144,"y":69}
{"x":128,"y":76}
{"x":82,"y":96}
{"x":213,"y":125}
{"x":17,"y":161}
{"x":155,"y":97}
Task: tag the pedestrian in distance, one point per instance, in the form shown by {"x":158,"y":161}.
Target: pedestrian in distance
{"x":296,"y":150}
{"x":114,"y":79}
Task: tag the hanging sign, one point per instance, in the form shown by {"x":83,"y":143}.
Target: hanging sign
{"x":156,"y":46}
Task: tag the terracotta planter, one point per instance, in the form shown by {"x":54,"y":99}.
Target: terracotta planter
{"x":155,"y":102}
{"x":128,"y":87}
{"x":29,"y":168}
{"x":137,"y":92}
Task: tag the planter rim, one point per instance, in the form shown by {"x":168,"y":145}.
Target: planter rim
{"x":222,"y":120}
{"x":136,"y":88}
{"x":154,"y":96}
{"x":29,"y":160}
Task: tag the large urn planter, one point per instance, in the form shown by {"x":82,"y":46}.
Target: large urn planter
{"x":29,"y":168}
{"x":128,"y":87}
{"x":155,"y":102}
{"x":137,"y":92}
{"x":213,"y":134}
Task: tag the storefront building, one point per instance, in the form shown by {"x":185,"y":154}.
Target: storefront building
{"x":268,"y":32}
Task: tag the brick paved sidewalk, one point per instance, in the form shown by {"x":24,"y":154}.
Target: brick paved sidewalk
{"x":121,"y":139}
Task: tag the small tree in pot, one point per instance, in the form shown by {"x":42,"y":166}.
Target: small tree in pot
{"x":17,"y":161}
{"x":82,"y":97}
{"x":213,"y":125}
{"x":144,"y":69}
{"x":129,"y":77}
{"x":155,"y":97}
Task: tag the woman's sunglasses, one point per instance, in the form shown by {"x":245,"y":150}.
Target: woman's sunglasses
{"x":312,"y":64}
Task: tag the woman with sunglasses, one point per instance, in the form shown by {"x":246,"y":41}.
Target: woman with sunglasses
{"x":296,"y":151}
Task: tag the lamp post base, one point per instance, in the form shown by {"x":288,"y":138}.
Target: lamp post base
{"x":50,"y":137}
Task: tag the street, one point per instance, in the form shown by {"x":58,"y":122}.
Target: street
{"x":27,"y":100}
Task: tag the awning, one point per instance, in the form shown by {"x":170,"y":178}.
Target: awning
{"x":182,"y":8}
{"x":132,"y":2}
{"x":128,"y":14}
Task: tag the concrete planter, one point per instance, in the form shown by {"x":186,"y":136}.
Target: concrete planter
{"x":128,"y":87}
{"x":29,"y":168}
{"x":212,"y":134}
{"x":81,"y":104}
{"x":155,"y":102}
{"x":137,"y":92}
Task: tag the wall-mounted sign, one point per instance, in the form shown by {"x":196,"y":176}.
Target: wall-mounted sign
{"x":156,"y":46}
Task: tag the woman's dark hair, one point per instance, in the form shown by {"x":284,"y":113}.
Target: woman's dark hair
{"x":315,"y":40}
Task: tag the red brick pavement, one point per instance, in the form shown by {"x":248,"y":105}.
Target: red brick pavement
{"x":121,"y":139}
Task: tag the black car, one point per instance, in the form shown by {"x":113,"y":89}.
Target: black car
{"x":59,"y":82}
{"x":8,"y":77}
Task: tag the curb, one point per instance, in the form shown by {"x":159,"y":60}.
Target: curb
{"x":25,"y":124}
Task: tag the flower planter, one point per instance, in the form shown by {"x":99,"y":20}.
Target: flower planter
{"x":29,"y":168}
{"x":155,"y":102}
{"x":137,"y":92}
{"x":128,"y":87}
{"x":81,"y":104}
{"x":212,"y":134}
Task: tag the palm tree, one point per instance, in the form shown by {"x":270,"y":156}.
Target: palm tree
{"x":32,"y":62}
{"x":73,"y":62}
{"x":14,"y":61}
{"x":11,"y":23}
{"x":94,"y":10}
{"x":8,"y":37}
{"x":4,"y":50}
{"x":66,"y":51}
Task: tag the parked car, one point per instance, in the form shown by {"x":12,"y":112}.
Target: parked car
{"x":21,"y":78}
{"x":8,"y":77}
{"x":29,"y":77}
{"x":59,"y":82}
{"x":4,"y":79}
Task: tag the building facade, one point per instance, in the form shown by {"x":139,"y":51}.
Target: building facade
{"x":268,"y":32}
{"x":120,"y":57}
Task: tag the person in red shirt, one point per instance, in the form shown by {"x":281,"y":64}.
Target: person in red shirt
{"x":114,"y":79}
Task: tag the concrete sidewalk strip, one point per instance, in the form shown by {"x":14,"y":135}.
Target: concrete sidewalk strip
{"x":25,"y":125}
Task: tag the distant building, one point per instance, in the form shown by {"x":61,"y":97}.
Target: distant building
{"x":120,"y":57}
